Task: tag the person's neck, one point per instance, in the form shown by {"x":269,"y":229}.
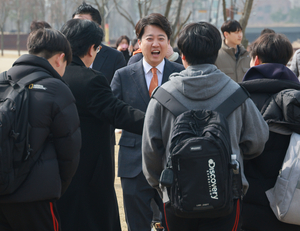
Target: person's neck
{"x":232,"y":45}
{"x":86,"y":60}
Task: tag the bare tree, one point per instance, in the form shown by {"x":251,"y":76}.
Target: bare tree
{"x":173,"y":9}
{"x":5,"y":7}
{"x":104,"y":10}
{"x":244,"y":20}
{"x":17,"y":6}
{"x":224,"y":10}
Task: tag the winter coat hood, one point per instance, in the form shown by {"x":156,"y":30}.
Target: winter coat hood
{"x":208,"y":76}
{"x":270,"y":71}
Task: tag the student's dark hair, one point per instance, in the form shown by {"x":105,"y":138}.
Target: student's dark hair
{"x":134,"y":41}
{"x":47,"y":43}
{"x":35,"y":25}
{"x":119,"y":40}
{"x":231,"y":26}
{"x":82,"y":34}
{"x":85,"y":8}
{"x":266,"y":30}
{"x":153,"y":19}
{"x":272,"y":48}
{"x":176,"y":49}
{"x":199,"y":43}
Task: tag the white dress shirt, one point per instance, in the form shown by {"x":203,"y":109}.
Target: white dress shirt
{"x":148,"y":73}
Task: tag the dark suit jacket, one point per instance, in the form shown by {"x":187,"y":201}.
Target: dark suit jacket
{"x":90,"y":201}
{"x":129,"y":85}
{"x":108,"y":60}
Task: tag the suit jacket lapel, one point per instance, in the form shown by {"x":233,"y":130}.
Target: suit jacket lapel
{"x":138,"y":76}
{"x":100,"y":58}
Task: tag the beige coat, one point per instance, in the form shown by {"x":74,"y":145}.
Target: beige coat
{"x":234,"y":68}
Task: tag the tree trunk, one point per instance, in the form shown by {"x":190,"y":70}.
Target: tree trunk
{"x":210,"y":9}
{"x":168,"y":7}
{"x":217,"y":17}
{"x":18,"y":35}
{"x":224,"y":10}
{"x":2,"y":39}
{"x":176,"y":21}
{"x":244,"y":20}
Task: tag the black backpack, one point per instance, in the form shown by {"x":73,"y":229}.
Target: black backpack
{"x":15,"y":152}
{"x":201,"y":179}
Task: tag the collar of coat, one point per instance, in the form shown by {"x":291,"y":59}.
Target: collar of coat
{"x":231,"y":50}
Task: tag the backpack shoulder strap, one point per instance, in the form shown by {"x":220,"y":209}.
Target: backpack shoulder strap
{"x":233,"y":102}
{"x":33,"y":77}
{"x":3,"y":76}
{"x":169,"y":101}
{"x":176,"y":108}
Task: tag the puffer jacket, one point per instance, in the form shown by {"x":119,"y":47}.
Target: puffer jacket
{"x":55,"y":130}
{"x":275,"y":91}
{"x":230,"y":65}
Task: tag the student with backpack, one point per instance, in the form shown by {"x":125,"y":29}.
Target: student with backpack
{"x":273,"y":88}
{"x":44,"y":161}
{"x":200,"y":86}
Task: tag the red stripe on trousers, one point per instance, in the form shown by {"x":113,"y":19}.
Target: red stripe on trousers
{"x":165,"y":212}
{"x":237,"y":216}
{"x":55,"y":222}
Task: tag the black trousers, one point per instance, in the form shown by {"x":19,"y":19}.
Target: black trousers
{"x":227,"y":223}
{"x":32,"y":216}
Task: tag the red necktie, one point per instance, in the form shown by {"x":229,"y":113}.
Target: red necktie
{"x":154,"y":81}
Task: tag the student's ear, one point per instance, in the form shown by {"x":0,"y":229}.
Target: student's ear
{"x":226,"y":34}
{"x":91,"y":50}
{"x":257,"y":61}
{"x":60,"y":59}
{"x":139,"y":42}
{"x":183,"y":57}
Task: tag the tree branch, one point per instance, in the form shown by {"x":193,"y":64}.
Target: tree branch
{"x":244,"y":20}
{"x":168,"y":7}
{"x":128,"y":17}
{"x":148,"y":8}
{"x":181,"y":25}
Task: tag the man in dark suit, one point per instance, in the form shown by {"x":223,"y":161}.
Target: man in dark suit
{"x":90,"y":201}
{"x":107,"y":60}
{"x":134,"y":84}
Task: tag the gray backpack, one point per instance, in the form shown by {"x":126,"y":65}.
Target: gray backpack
{"x":285,"y":196}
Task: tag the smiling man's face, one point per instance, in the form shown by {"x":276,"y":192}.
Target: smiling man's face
{"x":154,"y":44}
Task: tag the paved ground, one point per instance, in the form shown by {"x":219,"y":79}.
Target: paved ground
{"x":6,"y":62}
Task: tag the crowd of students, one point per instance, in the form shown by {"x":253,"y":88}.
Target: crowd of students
{"x":91,"y":90}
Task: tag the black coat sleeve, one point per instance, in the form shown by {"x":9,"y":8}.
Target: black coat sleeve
{"x":104,"y":105}
{"x":66,"y":134}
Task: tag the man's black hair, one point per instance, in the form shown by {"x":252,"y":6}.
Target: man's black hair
{"x":200,"y":43}
{"x":85,"y":8}
{"x":82,"y":34}
{"x":35,"y":25}
{"x":47,"y":42}
{"x":154,"y":19}
{"x":231,"y":26}
{"x":272,"y":48}
{"x":266,"y":30}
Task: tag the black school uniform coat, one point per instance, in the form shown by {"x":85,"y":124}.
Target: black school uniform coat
{"x":90,"y":201}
